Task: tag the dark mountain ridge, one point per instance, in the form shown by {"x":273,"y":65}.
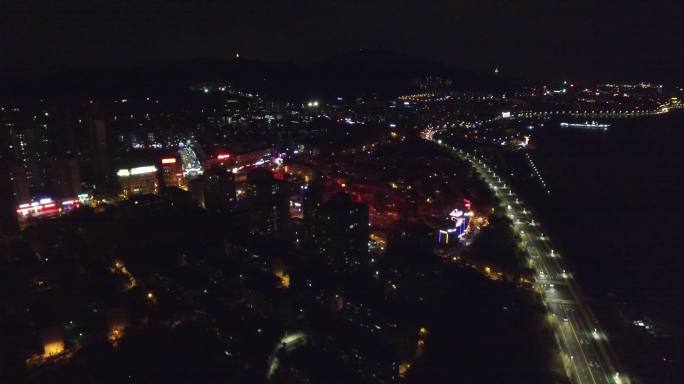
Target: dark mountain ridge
{"x":358,"y":73}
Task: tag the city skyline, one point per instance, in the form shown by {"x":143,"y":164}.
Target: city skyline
{"x":341,"y":192}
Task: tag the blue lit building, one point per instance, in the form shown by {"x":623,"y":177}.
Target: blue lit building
{"x":458,"y":224}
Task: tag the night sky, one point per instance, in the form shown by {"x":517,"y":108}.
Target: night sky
{"x":580,"y":39}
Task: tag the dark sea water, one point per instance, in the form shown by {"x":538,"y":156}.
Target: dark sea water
{"x":616,"y":211}
{"x":617,"y":207}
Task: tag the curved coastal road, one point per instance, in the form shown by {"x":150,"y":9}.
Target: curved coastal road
{"x":583,"y":344}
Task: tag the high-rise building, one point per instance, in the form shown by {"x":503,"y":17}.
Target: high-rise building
{"x":66,"y":177}
{"x":98,"y":152}
{"x":172,"y":172}
{"x":267,"y":201}
{"x":8,"y":214}
{"x":29,"y":143}
{"x":219,"y":189}
{"x":67,"y":140}
{"x":21,"y":189}
{"x":41,"y":152}
{"x":341,"y":233}
{"x":196,"y":189}
{"x":214,"y":190}
{"x":311,"y":203}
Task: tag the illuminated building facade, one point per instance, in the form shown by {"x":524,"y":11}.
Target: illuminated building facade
{"x":255,"y":158}
{"x":458,"y":223}
{"x":53,"y":341}
{"x":240,"y":160}
{"x":302,"y":170}
{"x":138,"y":181}
{"x":46,"y":207}
{"x":28,"y":140}
{"x":172,"y":172}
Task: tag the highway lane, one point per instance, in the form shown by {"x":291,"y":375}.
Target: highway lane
{"x":550,"y":276}
{"x":580,"y":338}
{"x":584,"y":326}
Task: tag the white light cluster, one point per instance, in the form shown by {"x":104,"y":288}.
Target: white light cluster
{"x":136,"y":171}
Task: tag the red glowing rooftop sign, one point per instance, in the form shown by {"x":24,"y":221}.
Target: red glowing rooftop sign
{"x":223,"y":156}
{"x":169,"y":160}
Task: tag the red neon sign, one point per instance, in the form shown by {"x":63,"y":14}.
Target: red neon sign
{"x":223,"y":156}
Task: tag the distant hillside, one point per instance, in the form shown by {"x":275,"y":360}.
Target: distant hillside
{"x":391,"y":73}
{"x":357,"y":73}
